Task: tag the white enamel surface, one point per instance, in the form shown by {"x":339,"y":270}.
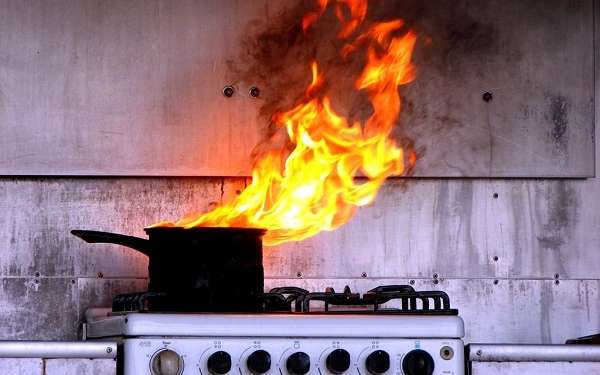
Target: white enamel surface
{"x":299,"y":325}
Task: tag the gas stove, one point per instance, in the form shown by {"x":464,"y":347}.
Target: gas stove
{"x":387,"y":330}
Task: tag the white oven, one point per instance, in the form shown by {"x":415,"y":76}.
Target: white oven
{"x":345,"y":334}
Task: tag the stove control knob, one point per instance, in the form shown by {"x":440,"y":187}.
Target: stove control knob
{"x":259,"y":362}
{"x":298,"y":363}
{"x":378,"y":362}
{"x":338,"y":361}
{"x":166,"y":362}
{"x":219,"y":363}
{"x":418,"y":362}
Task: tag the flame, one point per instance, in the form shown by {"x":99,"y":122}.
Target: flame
{"x":315,"y":188}
{"x":357,"y":8}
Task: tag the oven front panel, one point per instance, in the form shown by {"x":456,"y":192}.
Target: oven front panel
{"x":290,"y":356}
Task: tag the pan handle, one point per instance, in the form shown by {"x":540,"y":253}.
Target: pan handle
{"x":91,"y":236}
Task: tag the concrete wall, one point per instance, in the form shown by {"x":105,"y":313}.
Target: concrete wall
{"x":542,"y":287}
{"x":124,"y":88}
{"x":518,"y":257}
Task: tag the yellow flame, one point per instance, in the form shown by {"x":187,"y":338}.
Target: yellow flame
{"x":314,"y":188}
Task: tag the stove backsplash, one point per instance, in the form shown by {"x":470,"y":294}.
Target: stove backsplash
{"x":517,"y":257}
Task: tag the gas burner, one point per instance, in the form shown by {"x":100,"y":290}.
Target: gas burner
{"x":404,"y":298}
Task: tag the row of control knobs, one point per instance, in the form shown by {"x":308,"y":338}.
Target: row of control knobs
{"x":415,"y":362}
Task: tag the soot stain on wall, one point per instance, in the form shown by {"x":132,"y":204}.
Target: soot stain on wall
{"x":546,"y":302}
{"x":561,"y":210}
{"x":558,"y":117}
{"x":276,"y":54}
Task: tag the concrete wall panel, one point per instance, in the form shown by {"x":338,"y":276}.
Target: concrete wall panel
{"x":135,"y":88}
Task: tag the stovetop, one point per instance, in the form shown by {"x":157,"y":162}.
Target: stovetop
{"x":387,"y":299}
{"x":400,"y":311}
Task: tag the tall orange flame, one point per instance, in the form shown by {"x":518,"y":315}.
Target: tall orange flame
{"x":315,"y":187}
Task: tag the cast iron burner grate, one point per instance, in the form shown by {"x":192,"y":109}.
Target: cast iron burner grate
{"x":135,"y":301}
{"x":404,"y":298}
{"x":408,"y":301}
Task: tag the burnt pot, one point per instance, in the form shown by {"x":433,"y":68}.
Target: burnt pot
{"x":198,"y":269}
